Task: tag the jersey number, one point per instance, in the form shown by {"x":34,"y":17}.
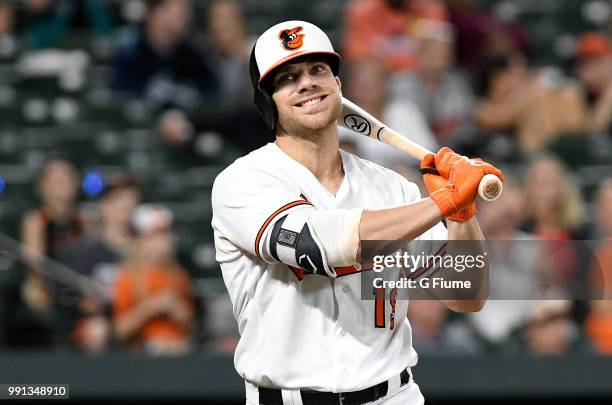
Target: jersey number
{"x":379,"y":308}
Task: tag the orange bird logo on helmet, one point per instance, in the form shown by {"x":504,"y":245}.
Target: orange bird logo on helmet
{"x":291,"y":39}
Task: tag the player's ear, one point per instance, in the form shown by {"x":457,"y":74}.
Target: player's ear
{"x":339,"y":84}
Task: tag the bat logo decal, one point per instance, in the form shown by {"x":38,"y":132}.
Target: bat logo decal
{"x":358,"y":124}
{"x":291,"y":38}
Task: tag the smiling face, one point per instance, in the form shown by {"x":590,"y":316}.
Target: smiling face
{"x":307,"y":96}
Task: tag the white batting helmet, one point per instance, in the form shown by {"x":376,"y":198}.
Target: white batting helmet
{"x":279,"y":44}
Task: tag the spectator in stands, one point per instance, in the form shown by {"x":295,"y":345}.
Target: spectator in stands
{"x":554,"y":212}
{"x":433,"y":333}
{"x":53,"y":228}
{"x":554,"y":206}
{"x":594,"y":68}
{"x":550,"y":330}
{"x":112,"y":241}
{"x":441,"y":93}
{"x":7,"y":17}
{"x":480,"y":34}
{"x":598,"y":324}
{"x":162,"y":63}
{"x":513,"y":255}
{"x":234,"y":114}
{"x":50,"y":231}
{"x":44,"y":23}
{"x":385,"y":30}
{"x":56,"y":226}
{"x":604,"y":209}
{"x":535,"y":105}
{"x":367,"y":86}
{"x":228,"y":52}
{"x":153,"y":308}
{"x":99,"y":255}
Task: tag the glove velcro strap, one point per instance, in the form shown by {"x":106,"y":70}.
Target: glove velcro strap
{"x":429,"y":170}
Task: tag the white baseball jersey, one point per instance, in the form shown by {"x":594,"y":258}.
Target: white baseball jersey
{"x":306,"y":331}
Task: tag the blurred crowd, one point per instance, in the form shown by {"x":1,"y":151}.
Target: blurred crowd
{"x":448,"y":73}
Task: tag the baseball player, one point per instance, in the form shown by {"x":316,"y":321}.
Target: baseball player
{"x":288,"y":221}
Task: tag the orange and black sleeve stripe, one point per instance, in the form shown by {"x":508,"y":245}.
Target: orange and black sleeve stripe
{"x":271,"y":218}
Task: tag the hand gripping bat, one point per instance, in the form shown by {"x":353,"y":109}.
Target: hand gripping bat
{"x":361,"y":122}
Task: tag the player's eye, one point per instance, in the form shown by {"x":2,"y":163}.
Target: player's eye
{"x":318,"y":68}
{"x":285,"y":77}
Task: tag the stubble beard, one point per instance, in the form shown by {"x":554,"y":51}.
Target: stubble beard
{"x":292,"y":124}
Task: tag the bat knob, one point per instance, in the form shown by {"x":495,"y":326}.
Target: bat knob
{"x":490,"y":187}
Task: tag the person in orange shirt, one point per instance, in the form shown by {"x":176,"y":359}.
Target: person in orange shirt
{"x":387,"y":30}
{"x":153,"y":307}
{"x":598,"y":324}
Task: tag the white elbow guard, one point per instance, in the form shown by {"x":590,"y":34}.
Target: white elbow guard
{"x":338,"y":231}
{"x":316,"y":241}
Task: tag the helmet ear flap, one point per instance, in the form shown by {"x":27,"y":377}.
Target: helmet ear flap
{"x":263,"y":100}
{"x":266,"y":107}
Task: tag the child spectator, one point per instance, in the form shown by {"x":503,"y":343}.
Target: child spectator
{"x":99,"y":255}
{"x":153,"y":308}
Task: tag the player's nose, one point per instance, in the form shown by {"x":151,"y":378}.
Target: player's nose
{"x":306,"y":82}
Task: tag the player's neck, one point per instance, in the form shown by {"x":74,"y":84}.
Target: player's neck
{"x":319,"y":153}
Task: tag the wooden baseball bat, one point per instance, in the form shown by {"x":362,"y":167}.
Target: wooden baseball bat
{"x":361,"y":122}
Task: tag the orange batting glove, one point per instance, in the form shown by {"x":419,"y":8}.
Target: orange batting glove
{"x":431,"y":176}
{"x":444,"y":160}
{"x":465,"y":177}
{"x":434,"y":182}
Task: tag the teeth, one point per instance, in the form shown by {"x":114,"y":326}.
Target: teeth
{"x":313,"y":101}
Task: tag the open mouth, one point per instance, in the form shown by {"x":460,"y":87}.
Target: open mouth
{"x":312,"y":101}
